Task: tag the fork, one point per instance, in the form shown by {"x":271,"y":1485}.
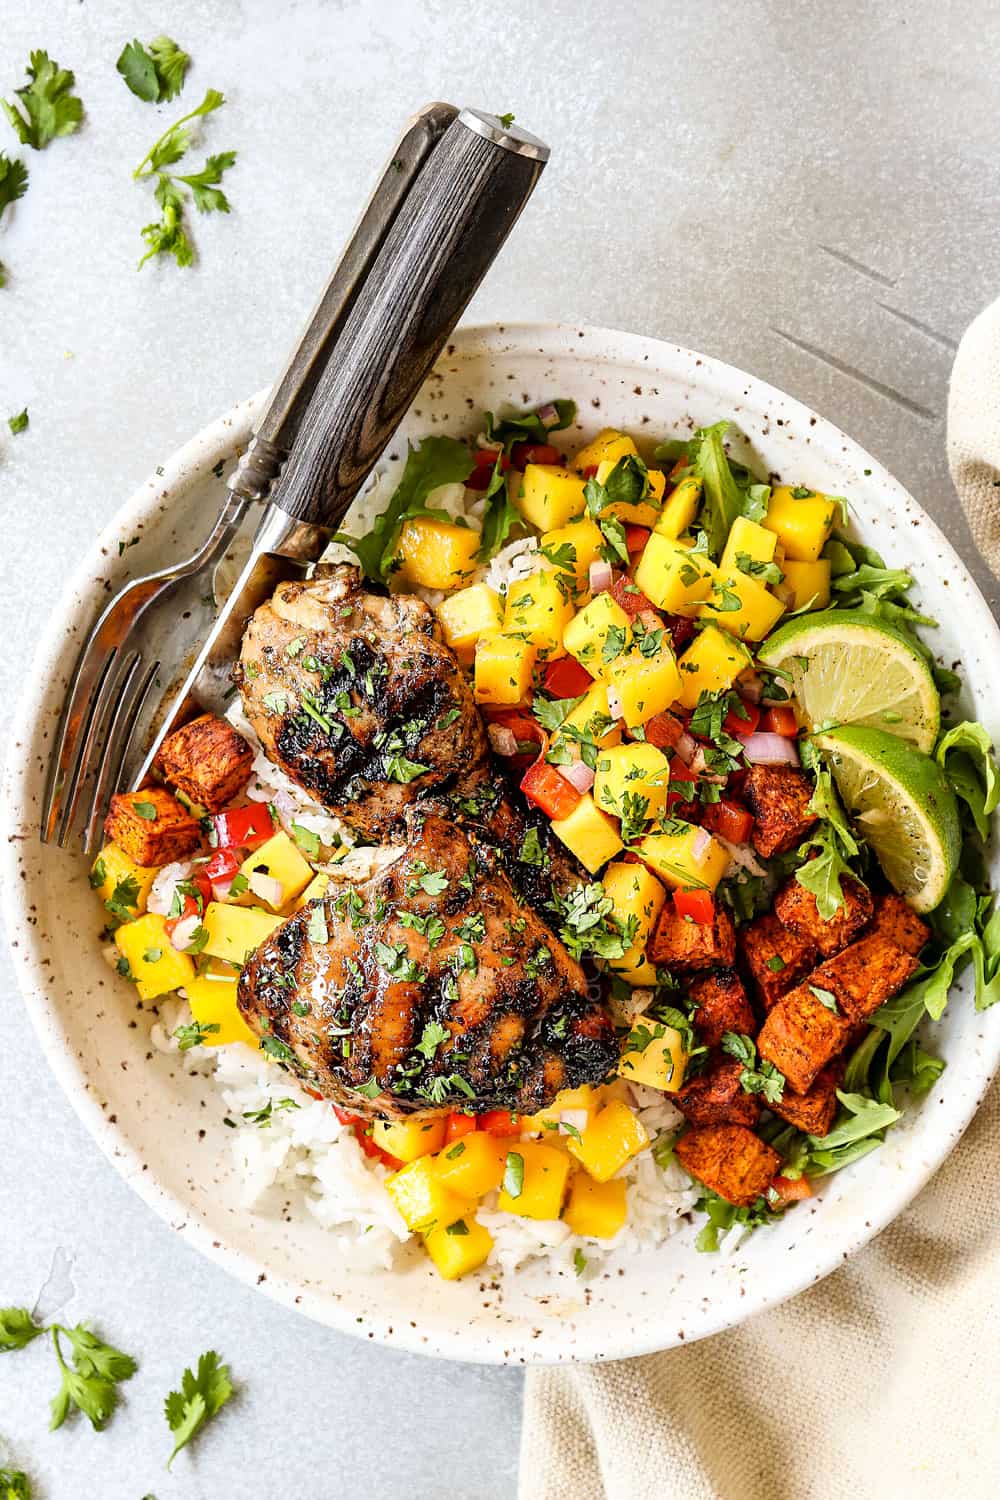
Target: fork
{"x":111,"y":681}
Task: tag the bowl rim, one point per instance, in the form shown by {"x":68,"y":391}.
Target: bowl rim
{"x":187,"y":465}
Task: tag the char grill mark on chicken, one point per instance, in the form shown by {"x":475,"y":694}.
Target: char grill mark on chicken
{"x":429,"y":987}
{"x":355,"y":696}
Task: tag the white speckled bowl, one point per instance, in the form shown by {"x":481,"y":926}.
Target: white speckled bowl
{"x":147,"y":1116}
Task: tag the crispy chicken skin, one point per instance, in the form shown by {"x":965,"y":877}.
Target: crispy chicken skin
{"x":430,"y":987}
{"x":354,"y":695}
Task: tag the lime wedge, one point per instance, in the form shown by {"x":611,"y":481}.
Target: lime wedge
{"x":847,"y":667}
{"x":901,"y":805}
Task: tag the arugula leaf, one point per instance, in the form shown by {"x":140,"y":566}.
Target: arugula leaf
{"x":859,"y":1128}
{"x":723,"y":497}
{"x":434,"y":461}
{"x":964,"y":753}
{"x":721,"y":1217}
{"x":879,"y":582}
{"x":13,"y":180}
{"x":48,"y":108}
{"x":17,"y":1329}
{"x":834,"y":844}
{"x":528,"y":426}
{"x":91,"y":1384}
{"x":500,"y":516}
{"x":155,"y":73}
{"x":201,"y":1396}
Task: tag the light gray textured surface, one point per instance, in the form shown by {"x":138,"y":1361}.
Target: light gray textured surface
{"x":807,"y":194}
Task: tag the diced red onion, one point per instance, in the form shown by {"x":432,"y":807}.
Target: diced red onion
{"x":285,"y":804}
{"x":770,"y":750}
{"x":700,"y":843}
{"x":785,"y":593}
{"x":578,"y":775}
{"x":614,"y":703}
{"x":183,"y":934}
{"x":503,"y":739}
{"x":267,"y":888}
{"x":686,"y":747}
{"x":548,"y":415}
{"x":751,"y":685}
{"x":221,"y":888}
{"x":577,"y":1119}
{"x":600,"y":577}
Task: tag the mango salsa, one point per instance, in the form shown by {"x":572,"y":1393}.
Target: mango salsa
{"x":672,"y":857}
{"x":747,"y":537}
{"x":635,"y":893}
{"x":116,"y":877}
{"x":423,"y":1200}
{"x":802,"y":519}
{"x":473,"y":1165}
{"x":589,"y":834}
{"x":467,"y":615}
{"x":212,"y":998}
{"x":153,"y":962}
{"x":713,"y":661}
{"x":503,"y":669}
{"x":607,"y":447}
{"x":602,"y":623}
{"x":610,"y":1140}
{"x":681,"y":507}
{"x":539,"y":608}
{"x":279,"y":859}
{"x":741,"y":605}
{"x":646,"y":685}
{"x":809,"y":583}
{"x":436,"y":554}
{"x":408,"y":1139}
{"x":536,"y":1189}
{"x":654,"y":1055}
{"x":458,"y":1248}
{"x":673,"y":576}
{"x":573,"y":548}
{"x":235,"y":932}
{"x":591,"y":718}
{"x":595,"y":1209}
{"x":628,"y":775}
{"x":550,"y":496}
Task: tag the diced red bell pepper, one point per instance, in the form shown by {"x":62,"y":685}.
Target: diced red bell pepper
{"x":590,"y":471}
{"x":565,"y":678}
{"x":458,"y":1125}
{"x":361,"y":1127}
{"x":545,"y":788}
{"x":780,"y":720}
{"x":663,"y":731}
{"x":500,"y":1122}
{"x":680,"y":772}
{"x":735,"y":724}
{"x":243,"y":827}
{"x":534,"y":453}
{"x":786,"y":1190}
{"x":629,"y":597}
{"x":222,"y":864}
{"x":636,"y":538}
{"x":682,"y":631}
{"x":481,"y":475}
{"x":698,"y":905}
{"x":730,"y":821}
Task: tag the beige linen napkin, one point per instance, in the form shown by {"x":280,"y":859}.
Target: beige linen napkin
{"x":884,"y":1380}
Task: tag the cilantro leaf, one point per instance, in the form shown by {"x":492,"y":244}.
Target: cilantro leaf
{"x":201,"y":1396}
{"x":589,"y":926}
{"x":14,"y":1485}
{"x":528,"y":426}
{"x":193,"y":1034}
{"x":435,"y":461}
{"x":19,"y":422}
{"x":48,"y":108}
{"x":17,"y":1329}
{"x":168,"y":236}
{"x":13,"y":180}
{"x":91,"y":1384}
{"x":764,"y":1079}
{"x":208,"y":196}
{"x":155,"y":73}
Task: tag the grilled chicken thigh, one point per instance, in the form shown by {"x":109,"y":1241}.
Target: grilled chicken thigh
{"x":429,"y":987}
{"x":354,"y":695}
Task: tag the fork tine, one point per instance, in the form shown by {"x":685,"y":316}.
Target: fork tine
{"x":121,"y":728}
{"x":107,"y":693}
{"x":65,"y":763}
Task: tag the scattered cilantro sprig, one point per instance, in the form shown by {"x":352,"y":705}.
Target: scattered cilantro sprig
{"x":202,"y":1395}
{"x":155,"y":73}
{"x":89,"y":1379}
{"x":168,"y":235}
{"x":48,"y":108}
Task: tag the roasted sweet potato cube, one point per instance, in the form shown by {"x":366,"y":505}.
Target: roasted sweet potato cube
{"x":801,"y":1035}
{"x":730,"y":1160}
{"x":796,"y":907}
{"x":895,"y":920}
{"x":722,"y":1006}
{"x":152,"y":826}
{"x":679,"y":943}
{"x":778,"y":797}
{"x":716,"y":1097}
{"x":865,"y":975}
{"x":207,"y":760}
{"x":813,"y":1111}
{"x":775,"y":956}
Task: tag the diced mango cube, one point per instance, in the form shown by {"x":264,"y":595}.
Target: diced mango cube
{"x":809,"y":582}
{"x":235,"y":932}
{"x":314,"y":890}
{"x":573,"y":548}
{"x":584,"y":1097}
{"x":607,"y":447}
{"x":592,"y":718}
{"x":742,"y":605}
{"x":802,"y":519}
{"x":673,"y":858}
{"x":466,"y":616}
{"x":654,"y":1055}
{"x":437,"y":554}
{"x":746,"y":537}
{"x":646,"y":685}
{"x":549,"y":496}
{"x":503,"y":669}
{"x":212,"y":998}
{"x":680,"y":508}
{"x":543,"y":1177}
{"x":713,"y":661}
{"x":473,"y":1165}
{"x":635,"y":893}
{"x":408,"y":1139}
{"x":595,"y":1209}
{"x":601,"y":629}
{"x":458,"y":1248}
{"x":116,"y":877}
{"x":539,"y":608}
{"x":643,"y":512}
{"x":153,"y":962}
{"x":673,"y":576}
{"x":610,"y":1140}
{"x":589,"y":834}
{"x":627,"y":776}
{"x":278,"y":859}
{"x":423,"y":1200}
